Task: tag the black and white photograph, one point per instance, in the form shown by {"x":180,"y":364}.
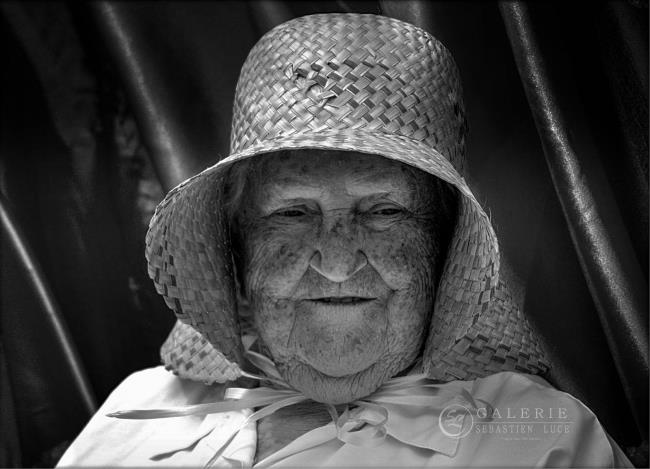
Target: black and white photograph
{"x":342,"y":233}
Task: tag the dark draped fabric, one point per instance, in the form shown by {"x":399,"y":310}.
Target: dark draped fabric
{"x":105,"y":106}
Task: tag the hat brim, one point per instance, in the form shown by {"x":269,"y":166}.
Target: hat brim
{"x":189,"y":255}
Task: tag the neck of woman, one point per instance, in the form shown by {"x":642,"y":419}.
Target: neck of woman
{"x":285,"y":425}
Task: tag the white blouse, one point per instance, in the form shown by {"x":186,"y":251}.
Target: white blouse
{"x":516,"y":420}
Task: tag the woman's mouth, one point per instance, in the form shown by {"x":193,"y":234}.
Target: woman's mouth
{"x":342,"y":300}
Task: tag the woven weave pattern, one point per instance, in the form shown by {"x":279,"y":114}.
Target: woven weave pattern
{"x":353,"y":83}
{"x":189,"y":355}
{"x":498,"y":339}
{"x":375,"y":74}
{"x":192,"y":268}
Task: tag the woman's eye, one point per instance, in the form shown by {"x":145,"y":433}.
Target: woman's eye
{"x":386,"y":211}
{"x":291,"y":212}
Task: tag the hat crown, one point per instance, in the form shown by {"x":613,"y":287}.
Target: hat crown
{"x":356,"y":72}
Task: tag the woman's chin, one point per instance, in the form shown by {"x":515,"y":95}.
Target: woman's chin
{"x":335,"y":367}
{"x":340,"y":345}
{"x":335,"y":389}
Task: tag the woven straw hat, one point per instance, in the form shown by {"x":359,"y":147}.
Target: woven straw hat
{"x":354,"y":82}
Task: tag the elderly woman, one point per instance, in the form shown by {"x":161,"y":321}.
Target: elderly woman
{"x":339,"y":267}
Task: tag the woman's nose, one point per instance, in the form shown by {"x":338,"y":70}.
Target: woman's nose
{"x":338,"y":256}
{"x":338,"y":266}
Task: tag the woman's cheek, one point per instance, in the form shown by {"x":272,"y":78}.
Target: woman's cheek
{"x":274,"y":321}
{"x":277,"y":261}
{"x":401,"y":256}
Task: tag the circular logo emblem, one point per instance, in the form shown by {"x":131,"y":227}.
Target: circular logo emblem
{"x":456,"y":421}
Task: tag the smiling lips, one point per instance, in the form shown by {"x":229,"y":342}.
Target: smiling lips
{"x":341,"y":300}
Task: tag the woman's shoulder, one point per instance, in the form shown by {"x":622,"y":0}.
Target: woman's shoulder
{"x":532,"y":400}
{"x":107,"y":441}
{"x":514,"y":380}
{"x":549,"y":422}
{"x":157,"y":386}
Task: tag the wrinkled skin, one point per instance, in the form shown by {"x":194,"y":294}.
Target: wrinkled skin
{"x":338,"y":256}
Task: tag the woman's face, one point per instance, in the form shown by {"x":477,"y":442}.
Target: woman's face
{"x":338,"y":252}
